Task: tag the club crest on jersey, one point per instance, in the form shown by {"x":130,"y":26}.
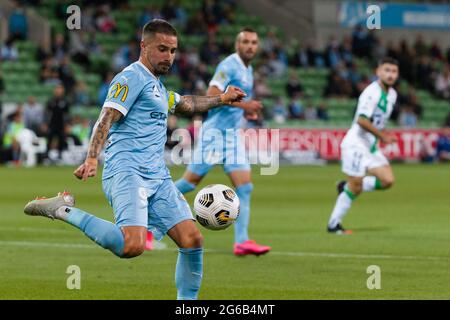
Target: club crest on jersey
{"x":156,"y":91}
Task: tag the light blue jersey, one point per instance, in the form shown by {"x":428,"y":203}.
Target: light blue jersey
{"x":230,"y":151}
{"x":136,"y":142}
{"x":231,"y":71}
{"x":136,"y":180}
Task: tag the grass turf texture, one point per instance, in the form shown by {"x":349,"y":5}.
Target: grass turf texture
{"x":405,"y":231}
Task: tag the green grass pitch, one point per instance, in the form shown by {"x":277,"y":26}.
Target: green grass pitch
{"x":404,"y":231}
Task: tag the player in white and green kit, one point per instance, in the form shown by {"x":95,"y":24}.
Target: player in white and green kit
{"x":366,"y":167}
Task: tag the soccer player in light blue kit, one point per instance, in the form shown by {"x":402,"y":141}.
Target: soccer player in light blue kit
{"x":136,"y":180}
{"x":233,"y":70}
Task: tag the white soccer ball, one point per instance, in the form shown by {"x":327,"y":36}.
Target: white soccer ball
{"x":216,"y":206}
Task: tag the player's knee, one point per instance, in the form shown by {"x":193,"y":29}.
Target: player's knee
{"x":355,"y":187}
{"x":192,"y":178}
{"x":132,"y":250}
{"x":193,"y":239}
{"x":134,"y":245}
{"x":388,"y":182}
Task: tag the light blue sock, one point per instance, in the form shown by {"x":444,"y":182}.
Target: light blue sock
{"x":241,"y":225}
{"x":103,"y":232}
{"x":188,"y":273}
{"x":184,"y":186}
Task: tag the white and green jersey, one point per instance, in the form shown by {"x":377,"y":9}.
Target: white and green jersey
{"x":376,"y":105}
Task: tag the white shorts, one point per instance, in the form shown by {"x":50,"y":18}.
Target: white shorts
{"x":357,"y":160}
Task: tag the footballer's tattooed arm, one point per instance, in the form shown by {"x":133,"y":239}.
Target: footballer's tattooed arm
{"x":100,"y":132}
{"x":197,"y":104}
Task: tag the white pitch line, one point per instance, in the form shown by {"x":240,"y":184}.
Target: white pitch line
{"x":163,"y":247}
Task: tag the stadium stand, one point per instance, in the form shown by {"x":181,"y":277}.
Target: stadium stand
{"x":330,"y":78}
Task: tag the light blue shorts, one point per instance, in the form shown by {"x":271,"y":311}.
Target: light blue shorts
{"x":152,"y":203}
{"x":230,"y":153}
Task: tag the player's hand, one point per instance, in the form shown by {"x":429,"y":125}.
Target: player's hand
{"x":252,"y":106}
{"x":232,"y":94}
{"x":388,"y":138}
{"x":251,"y":115}
{"x":87,"y":169}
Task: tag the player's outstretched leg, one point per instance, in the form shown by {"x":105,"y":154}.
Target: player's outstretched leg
{"x":189,"y":268}
{"x":61,"y":207}
{"x":188,"y":182}
{"x":242,"y":243}
{"x":349,"y":193}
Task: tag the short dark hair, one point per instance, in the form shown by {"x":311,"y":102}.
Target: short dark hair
{"x":158,"y":26}
{"x":248,"y":29}
{"x":389,"y":60}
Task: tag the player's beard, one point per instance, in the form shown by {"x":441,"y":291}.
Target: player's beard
{"x":387,"y":85}
{"x":162,"y":69}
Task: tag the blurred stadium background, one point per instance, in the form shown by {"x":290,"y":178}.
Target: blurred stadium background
{"x":315,"y":59}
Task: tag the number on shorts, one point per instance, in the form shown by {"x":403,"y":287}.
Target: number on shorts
{"x":357,"y":157}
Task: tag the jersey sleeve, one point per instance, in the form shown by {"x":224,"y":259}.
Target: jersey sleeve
{"x":221,"y":78}
{"x":123,"y":91}
{"x":367,"y":103}
{"x":173,"y":99}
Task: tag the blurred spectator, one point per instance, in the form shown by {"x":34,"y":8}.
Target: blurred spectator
{"x":337,"y":86}
{"x":18,"y":23}
{"x":333,"y":54}
{"x":33,"y":115}
{"x":58,"y":112}
{"x":279,"y":112}
{"x":81,"y":94}
{"x":419,"y":46}
{"x":59,"y":48}
{"x":296,"y":109}
{"x":11,"y":147}
{"x":81,"y":129}
{"x":442,"y":84}
{"x":151,"y":12}
{"x":104,"y":87}
{"x":423,"y":73}
{"x":168,"y":10}
{"x":209,"y":52}
{"x":417,"y":108}
{"x":276,"y":67}
{"x":407,"y":117}
{"x":196,"y":25}
{"x":300,"y":57}
{"x":310,"y":112}
{"x":104,"y":21}
{"x":359,"y":40}
{"x":66,"y":75}
{"x":8,"y":52}
{"x":226,"y":46}
{"x":293,"y":86}
{"x":261,"y":88}
{"x":435,"y":51}
{"x":49,"y":73}
{"x":125,"y":55}
{"x":322,"y":112}
{"x":443,"y":145}
{"x":79,"y":47}
{"x":2,"y":89}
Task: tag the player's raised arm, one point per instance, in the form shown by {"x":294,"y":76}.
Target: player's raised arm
{"x":100,"y":132}
{"x":192,"y":104}
{"x":251,"y":107}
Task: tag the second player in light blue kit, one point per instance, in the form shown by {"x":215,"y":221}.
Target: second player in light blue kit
{"x":230,"y":151}
{"x":136,"y":180}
